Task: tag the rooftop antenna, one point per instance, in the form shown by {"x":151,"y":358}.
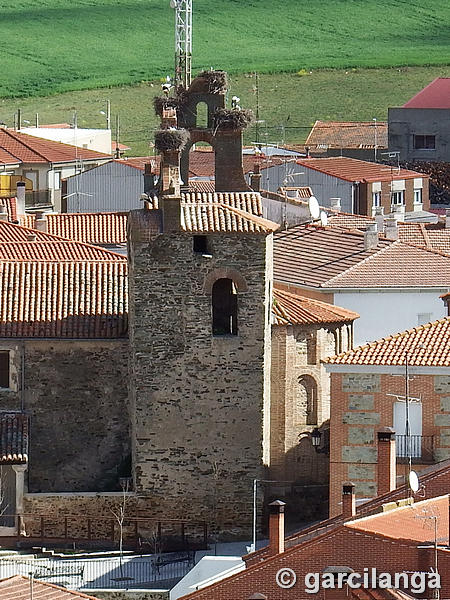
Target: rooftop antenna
{"x":183,"y":41}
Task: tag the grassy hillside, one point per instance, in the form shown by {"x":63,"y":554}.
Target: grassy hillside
{"x":289,"y":104}
{"x":50,"y":46}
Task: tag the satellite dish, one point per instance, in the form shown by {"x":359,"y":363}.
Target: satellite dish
{"x":413,"y":481}
{"x":314,"y":209}
{"x":323,"y":218}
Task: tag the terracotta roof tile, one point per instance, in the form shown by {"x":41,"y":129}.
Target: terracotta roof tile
{"x":349,"y":221}
{"x":18,"y":588}
{"x":63,"y":299}
{"x":222,"y":218}
{"x":435,"y":95}
{"x":14,"y":429}
{"x":29,"y":149}
{"x":246,"y":201}
{"x":414,"y":522}
{"x":434,"y":236}
{"x":293,"y":309}
{"x":202,"y":186}
{"x":397,"y":265}
{"x":351,"y":169}
{"x":336,"y":134}
{"x":392,"y":350}
{"x":139,"y":162}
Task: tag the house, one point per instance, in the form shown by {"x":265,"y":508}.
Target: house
{"x":44,"y":163}
{"x":20,"y":587}
{"x":91,"y":139}
{"x":420,"y":129}
{"x":362,"y":140}
{"x":384,"y":384}
{"x":364,"y":186}
{"x":390,"y":284}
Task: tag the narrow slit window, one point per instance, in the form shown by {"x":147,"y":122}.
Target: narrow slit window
{"x":201,"y":244}
{"x":4,"y":369}
{"x":224,"y":308}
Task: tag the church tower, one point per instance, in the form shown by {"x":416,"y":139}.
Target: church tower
{"x":200,"y":287}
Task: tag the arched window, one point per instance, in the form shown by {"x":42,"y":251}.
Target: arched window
{"x":202,"y":115}
{"x":306,"y":401}
{"x":224,"y":307}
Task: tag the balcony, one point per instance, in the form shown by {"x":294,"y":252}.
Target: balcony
{"x":419,"y":447}
{"x":37,"y":198}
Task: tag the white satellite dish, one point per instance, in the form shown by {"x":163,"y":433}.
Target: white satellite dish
{"x":413,"y":481}
{"x":323,"y":218}
{"x":314,"y":209}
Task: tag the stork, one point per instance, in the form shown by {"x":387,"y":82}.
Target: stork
{"x":183,"y":41}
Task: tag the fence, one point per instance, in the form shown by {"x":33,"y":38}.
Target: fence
{"x":419,"y":447}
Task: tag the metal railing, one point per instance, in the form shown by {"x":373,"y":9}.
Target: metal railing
{"x":419,"y":447}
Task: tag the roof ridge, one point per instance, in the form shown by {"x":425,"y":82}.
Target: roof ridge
{"x":17,"y":138}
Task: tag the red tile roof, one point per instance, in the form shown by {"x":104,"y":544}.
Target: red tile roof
{"x":139,"y":162}
{"x":336,"y":134}
{"x":30,"y":149}
{"x":427,"y":345}
{"x":246,"y":201}
{"x":14,"y":428}
{"x":414,"y":522}
{"x":63,"y":299}
{"x":216,"y":217}
{"x":435,"y":95}
{"x":293,"y":309}
{"x":202,"y":186}
{"x":433,"y":236}
{"x":18,"y":588}
{"x":398,"y":265}
{"x":351,"y":169}
{"x":349,"y":221}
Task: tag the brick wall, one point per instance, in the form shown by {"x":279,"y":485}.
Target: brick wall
{"x":128,"y":594}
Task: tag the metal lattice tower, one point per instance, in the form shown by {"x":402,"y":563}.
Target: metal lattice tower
{"x":183,"y":41}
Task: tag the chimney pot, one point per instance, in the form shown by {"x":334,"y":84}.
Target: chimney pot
{"x":276,"y":527}
{"x":3,"y":213}
{"x":371,"y":237}
{"x":20,"y":198}
{"x":40,"y":221}
{"x":386,"y":462}
{"x":348,"y":500}
{"x":335,"y":204}
{"x":391,"y":229}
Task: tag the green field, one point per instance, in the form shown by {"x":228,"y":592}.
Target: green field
{"x":289,"y":104}
{"x":50,"y":46}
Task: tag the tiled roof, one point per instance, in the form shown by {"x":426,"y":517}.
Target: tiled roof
{"x":349,"y":221}
{"x":434,"y":236}
{"x":309,"y":255}
{"x":427,"y":345}
{"x":414,"y":522}
{"x":6,"y":158}
{"x":63,"y":299}
{"x":300,"y":192}
{"x":30,"y":149}
{"x":18,"y":588}
{"x":351,"y":169}
{"x":11,"y":207}
{"x":293,"y":309}
{"x":398,"y":265}
{"x":202,"y":186}
{"x":435,"y":95}
{"x":14,"y":429}
{"x":222,"y":218}
{"x":246,"y":201}
{"x":91,"y":228}
{"x":335,"y":134}
{"x":139,"y":162}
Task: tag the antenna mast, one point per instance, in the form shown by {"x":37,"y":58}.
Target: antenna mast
{"x":183,"y":41}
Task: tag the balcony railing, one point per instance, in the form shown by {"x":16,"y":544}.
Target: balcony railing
{"x":419,"y":447}
{"x":38,"y":198}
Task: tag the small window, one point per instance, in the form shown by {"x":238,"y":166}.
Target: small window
{"x":424,"y":142}
{"x":201,"y":244}
{"x":4,"y":369}
{"x":418,"y":196}
{"x":376,"y":199}
{"x":424,"y":318}
{"x":398,"y":198}
{"x":224,"y":307}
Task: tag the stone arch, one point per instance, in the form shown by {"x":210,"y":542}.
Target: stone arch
{"x":197,"y":135}
{"x":306,"y":401}
{"x":224,"y":273}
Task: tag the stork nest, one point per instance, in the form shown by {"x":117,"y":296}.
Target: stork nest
{"x":161,"y":103}
{"x":217,"y":81}
{"x":235,"y":118}
{"x":171,"y":139}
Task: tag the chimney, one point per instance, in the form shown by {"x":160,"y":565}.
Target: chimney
{"x":255,"y":178}
{"x":20,"y":198}
{"x":40,"y":221}
{"x":371,"y":237}
{"x":398,"y":213}
{"x":169,"y":190}
{"x":379,"y":218}
{"x":391,"y":229}
{"x":386,"y":465}
{"x":149,"y":179}
{"x":168,"y":118}
{"x":3,"y":213}
{"x":276,"y":527}
{"x":447,"y":218}
{"x":335,"y":204}
{"x":348,"y":500}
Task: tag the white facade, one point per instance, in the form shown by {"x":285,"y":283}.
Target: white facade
{"x":385,"y":312}
{"x":90,"y":139}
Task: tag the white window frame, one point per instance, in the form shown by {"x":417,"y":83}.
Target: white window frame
{"x":418,"y":196}
{"x":376,"y":199}
{"x":396,"y":196}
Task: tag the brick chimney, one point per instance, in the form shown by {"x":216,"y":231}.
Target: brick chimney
{"x":170,"y":193}
{"x":379,"y":218}
{"x":149,"y":179}
{"x":386,"y":463}
{"x":40,"y":221}
{"x":276,"y":527}
{"x":348,"y":500}
{"x":255,"y":178}
{"x":447,"y":218}
{"x":391,"y":229}
{"x":371,"y":237}
{"x":20,"y":198}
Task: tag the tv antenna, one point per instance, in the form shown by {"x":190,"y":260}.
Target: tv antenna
{"x":183,"y":41}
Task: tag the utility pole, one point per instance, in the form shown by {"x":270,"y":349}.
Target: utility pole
{"x":117,"y":136}
{"x":183,"y":42}
{"x":108,"y":114}
{"x":257,"y":110}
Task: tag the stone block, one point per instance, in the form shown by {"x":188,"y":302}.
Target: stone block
{"x":442,"y":420}
{"x":361,"y":418}
{"x":361,"y":435}
{"x":359,"y":454}
{"x":365,"y":489}
{"x":360,"y":382}
{"x":356,"y":472}
{"x":360,"y":402}
{"x":442,"y":384}
{"x":441,"y":454}
{"x":444,"y":437}
{"x":445,"y":403}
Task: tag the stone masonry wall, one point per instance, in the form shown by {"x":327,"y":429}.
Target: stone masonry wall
{"x":128,"y":594}
{"x":198,"y":399}
{"x":75,"y":393}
